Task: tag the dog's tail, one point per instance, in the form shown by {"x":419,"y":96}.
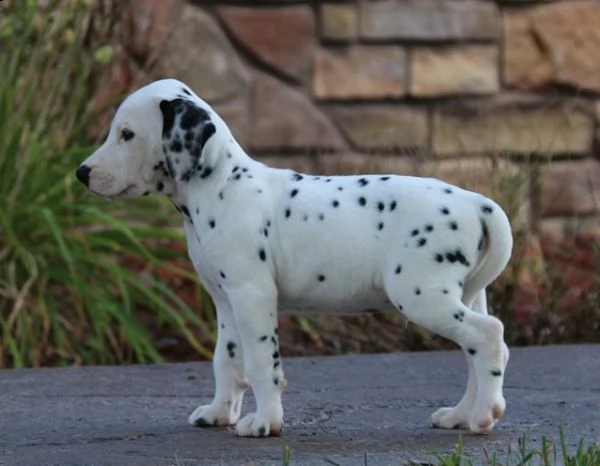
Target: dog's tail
{"x":496,"y":248}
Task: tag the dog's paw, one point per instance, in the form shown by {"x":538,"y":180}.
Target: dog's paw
{"x":482,"y":420}
{"x":451,"y":418}
{"x":254,"y":425}
{"x":212,"y":416}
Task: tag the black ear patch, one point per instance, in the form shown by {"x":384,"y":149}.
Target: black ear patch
{"x":168,"y":112}
{"x":186,"y":130}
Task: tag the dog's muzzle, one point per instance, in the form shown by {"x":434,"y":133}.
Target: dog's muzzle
{"x":83,"y":174}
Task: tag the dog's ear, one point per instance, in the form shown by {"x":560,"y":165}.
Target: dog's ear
{"x":186,"y":129}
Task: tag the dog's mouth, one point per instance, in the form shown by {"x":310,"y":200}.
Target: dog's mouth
{"x":120,"y":194}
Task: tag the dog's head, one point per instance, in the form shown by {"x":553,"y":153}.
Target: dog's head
{"x":158,"y":137}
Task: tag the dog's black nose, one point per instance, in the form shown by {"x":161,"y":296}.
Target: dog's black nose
{"x":83,"y":174}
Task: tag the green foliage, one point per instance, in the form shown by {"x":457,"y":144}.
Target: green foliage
{"x":65,"y":295}
{"x":548,"y":455}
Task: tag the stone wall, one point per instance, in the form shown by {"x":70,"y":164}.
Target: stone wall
{"x":502,"y":97}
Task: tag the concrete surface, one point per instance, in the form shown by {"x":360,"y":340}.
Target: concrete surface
{"x":347,"y":410}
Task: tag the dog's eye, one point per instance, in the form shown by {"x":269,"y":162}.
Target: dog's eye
{"x":127,"y":134}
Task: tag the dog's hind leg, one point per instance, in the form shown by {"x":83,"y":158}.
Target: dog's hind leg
{"x":446,"y":315}
{"x":458,"y":416}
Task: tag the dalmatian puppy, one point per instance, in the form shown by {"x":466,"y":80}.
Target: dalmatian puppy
{"x":265,"y":239}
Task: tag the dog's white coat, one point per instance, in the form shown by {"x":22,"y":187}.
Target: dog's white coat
{"x":263,"y":239}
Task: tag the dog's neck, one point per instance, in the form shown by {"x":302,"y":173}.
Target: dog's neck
{"x":218,"y":163}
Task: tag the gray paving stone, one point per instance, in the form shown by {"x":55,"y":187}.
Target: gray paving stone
{"x":339,"y":410}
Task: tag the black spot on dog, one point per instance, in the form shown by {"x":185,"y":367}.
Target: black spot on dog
{"x":380,"y":206}
{"x":384,"y":178}
{"x":362,"y":201}
{"x":262,"y":254}
{"x":276,"y":355}
{"x":445,"y":291}
{"x":445,"y":211}
{"x":185,"y":211}
{"x":230,"y":348}
{"x":496,"y":372}
{"x":237,"y":177}
{"x":266,"y":232}
{"x":160,"y":186}
{"x":221,"y":195}
{"x":185,"y":91}
{"x":415,"y":232}
{"x":316,"y":178}
{"x":263,"y":338}
{"x":363,"y":182}
{"x":417,"y":291}
{"x":274,"y":340}
{"x":262,"y":431}
{"x":459,"y":315}
{"x":393,"y":206}
{"x":448,"y":190}
{"x":305,"y":218}
{"x":380,"y":226}
{"x":168,"y":112}
{"x":439,"y":258}
{"x":235,"y":169}
{"x":457,"y":256}
{"x":170,"y":167}
{"x":460,"y":284}
{"x":335,"y":203}
{"x":321,"y":217}
{"x":398,"y":269}
{"x":244,"y":170}
{"x":211,"y":223}
{"x":192,"y":116}
{"x":176,"y":146}
{"x":197,"y":210}
{"x":297,"y":177}
{"x":288,"y":212}
{"x":453,"y":225}
{"x":471,"y":351}
{"x":428,"y":228}
{"x":276,"y":381}
{"x":206,"y":173}
{"x":321,"y":278}
{"x":222,"y":274}
{"x":486,"y":209}
{"x":484,"y":235}
{"x":422,"y":242}
{"x":293,"y":193}
{"x":340,"y":188}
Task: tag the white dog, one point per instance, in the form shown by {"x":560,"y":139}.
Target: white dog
{"x":263,"y":239}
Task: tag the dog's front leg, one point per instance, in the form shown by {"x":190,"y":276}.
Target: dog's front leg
{"x":230,"y":383}
{"x":255,"y":312}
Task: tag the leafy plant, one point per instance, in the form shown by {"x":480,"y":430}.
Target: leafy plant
{"x":550,"y":454}
{"x":77,"y":274}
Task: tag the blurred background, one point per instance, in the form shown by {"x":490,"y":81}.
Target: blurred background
{"x":502,"y":97}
